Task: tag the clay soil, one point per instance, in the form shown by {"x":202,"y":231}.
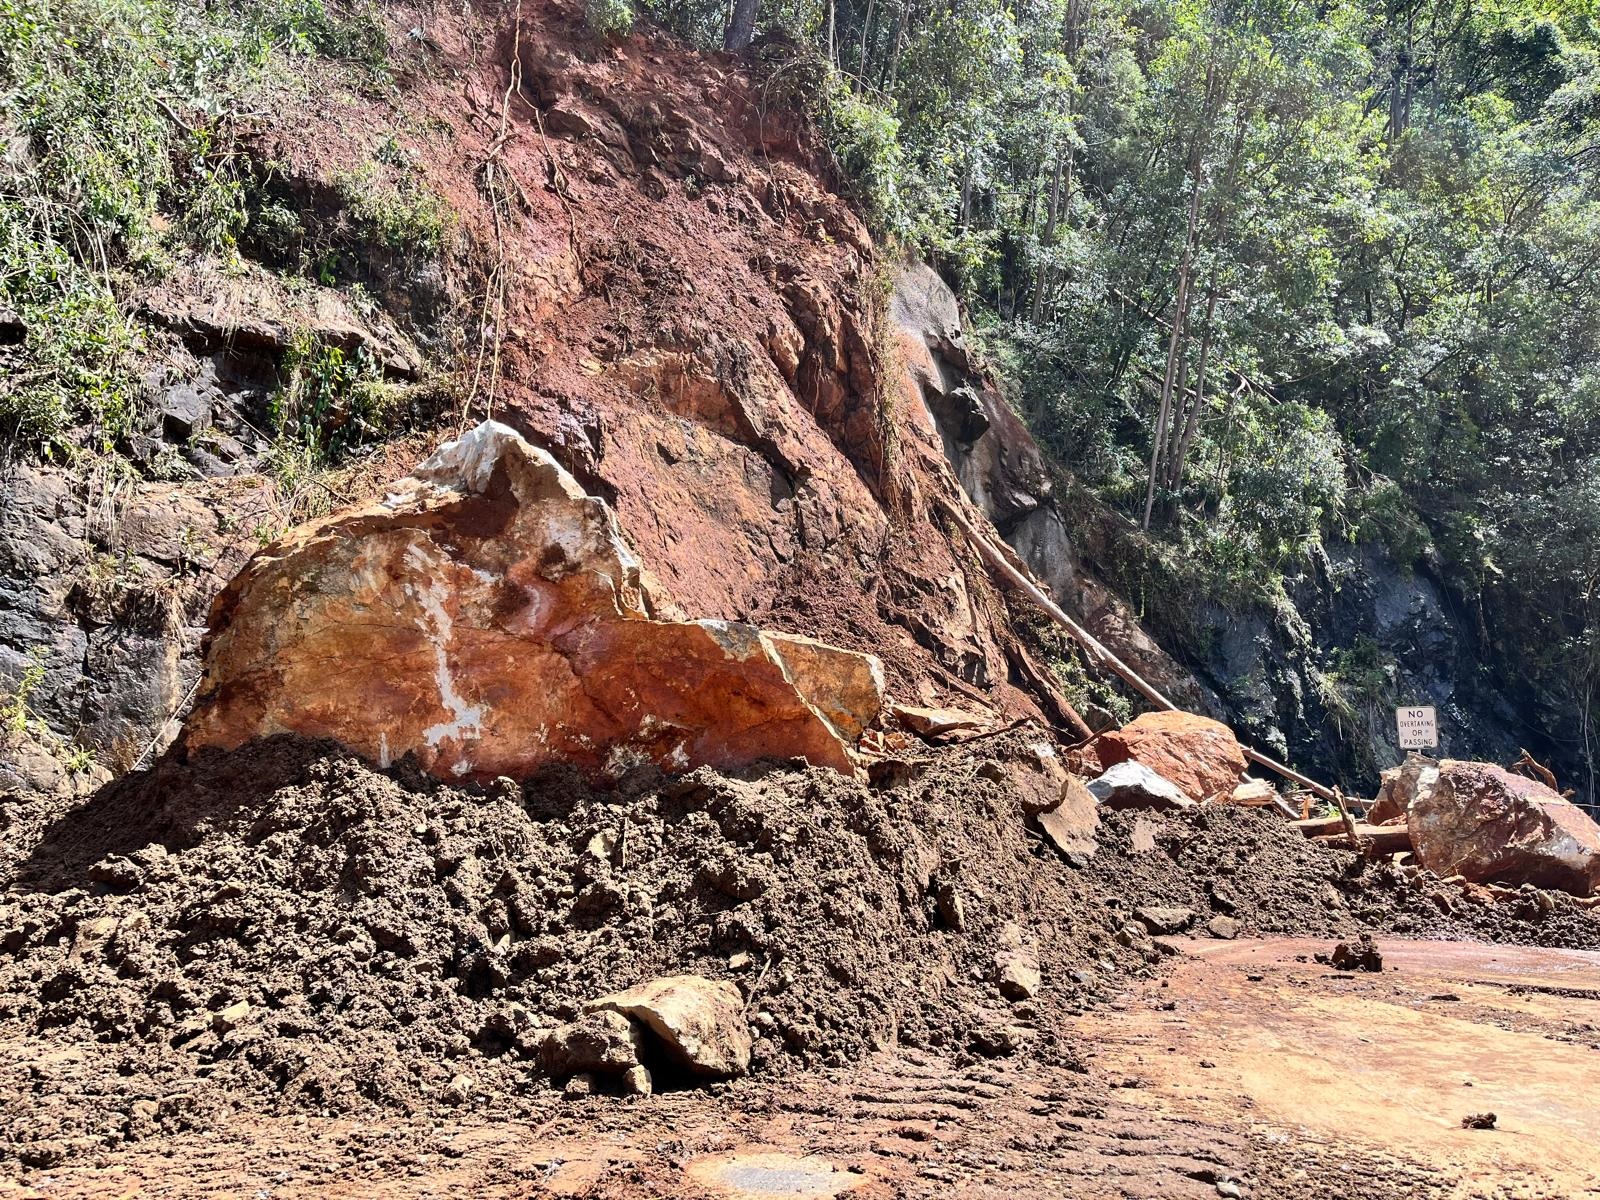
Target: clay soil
{"x":282,"y":971}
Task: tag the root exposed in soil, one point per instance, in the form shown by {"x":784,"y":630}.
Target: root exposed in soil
{"x":286,"y":929}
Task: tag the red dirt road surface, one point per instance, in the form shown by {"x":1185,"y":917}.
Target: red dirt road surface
{"x":1246,"y":1069}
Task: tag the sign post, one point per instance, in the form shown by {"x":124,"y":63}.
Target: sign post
{"x":1418,"y":725}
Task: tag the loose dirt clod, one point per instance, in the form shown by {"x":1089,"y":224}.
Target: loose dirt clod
{"x":1360,"y":955}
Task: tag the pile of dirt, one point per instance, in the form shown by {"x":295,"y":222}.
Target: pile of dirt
{"x":285,"y":926}
{"x":1254,"y":868}
{"x":286,"y":929}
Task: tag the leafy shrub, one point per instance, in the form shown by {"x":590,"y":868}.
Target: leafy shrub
{"x":609,"y":18}
{"x":15,"y":712}
{"x":865,"y":139}
{"x":108,"y":113}
{"x":328,"y":402}
{"x":400,"y":212}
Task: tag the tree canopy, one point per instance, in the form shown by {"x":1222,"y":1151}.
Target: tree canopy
{"x":1268,"y":273}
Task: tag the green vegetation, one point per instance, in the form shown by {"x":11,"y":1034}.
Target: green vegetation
{"x":1266,"y":273}
{"x":329,"y":403}
{"x":609,"y":18}
{"x":15,"y":713}
{"x":118,"y":150}
{"x":402,"y":214}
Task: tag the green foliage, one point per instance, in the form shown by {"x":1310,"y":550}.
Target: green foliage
{"x":328,"y":403}
{"x":395,"y":207}
{"x":15,"y":713}
{"x":1391,"y":318}
{"x":119,"y":148}
{"x":609,"y":18}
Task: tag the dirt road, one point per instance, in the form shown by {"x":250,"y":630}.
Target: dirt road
{"x":1248,"y":1069}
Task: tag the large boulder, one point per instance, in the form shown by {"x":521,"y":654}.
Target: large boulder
{"x":487,"y":617}
{"x":1486,"y":824}
{"x":1199,"y":755}
{"x":700,"y":1022}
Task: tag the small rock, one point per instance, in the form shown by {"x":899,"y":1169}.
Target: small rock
{"x":1227,"y":1187}
{"x":579,"y":1086}
{"x":951,"y":909}
{"x":1017,"y":972}
{"x":1484,"y":1120}
{"x":1134,"y":785}
{"x":1226,"y":928}
{"x":1136,"y":937}
{"x":998,"y":1041}
{"x":739,"y":962}
{"x":700,"y":1022}
{"x":1072,"y":824}
{"x":598,"y":1041}
{"x":229,"y":1018}
{"x":1164,"y":920}
{"x":184,"y":412}
{"x":637,"y":1081}
{"x":1360,"y":955}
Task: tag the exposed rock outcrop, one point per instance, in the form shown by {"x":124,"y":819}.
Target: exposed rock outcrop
{"x":487,"y":616}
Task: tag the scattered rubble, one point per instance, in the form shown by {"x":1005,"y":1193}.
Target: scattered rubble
{"x":286,"y":927}
{"x":493,"y":620}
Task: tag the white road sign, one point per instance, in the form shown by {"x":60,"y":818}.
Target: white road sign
{"x":1419,"y":726}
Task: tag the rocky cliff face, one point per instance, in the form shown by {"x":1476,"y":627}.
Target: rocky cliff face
{"x":1314,"y":679}
{"x":676,"y":309}
{"x":682,"y":314}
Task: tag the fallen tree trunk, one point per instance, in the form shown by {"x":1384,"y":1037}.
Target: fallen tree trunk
{"x":1100,"y":656}
{"x":1372,"y":839}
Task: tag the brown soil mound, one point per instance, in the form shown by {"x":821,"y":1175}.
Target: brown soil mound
{"x":285,"y":929}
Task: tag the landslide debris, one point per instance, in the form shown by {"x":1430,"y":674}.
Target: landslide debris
{"x":286,"y":929}
{"x":494,"y":620}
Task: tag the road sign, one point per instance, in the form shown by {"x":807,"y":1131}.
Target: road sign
{"x":1419,"y":726}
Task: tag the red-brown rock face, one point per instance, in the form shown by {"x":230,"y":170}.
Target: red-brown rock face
{"x":487,"y":616}
{"x":1487,"y":824}
{"x":1198,"y":754}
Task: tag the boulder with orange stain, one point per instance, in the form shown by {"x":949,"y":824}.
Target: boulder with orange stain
{"x":1487,"y":824}
{"x":487,"y":616}
{"x":1198,"y":754}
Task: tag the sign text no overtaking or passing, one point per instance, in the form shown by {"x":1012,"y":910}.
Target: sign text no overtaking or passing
{"x":1419,"y":726}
